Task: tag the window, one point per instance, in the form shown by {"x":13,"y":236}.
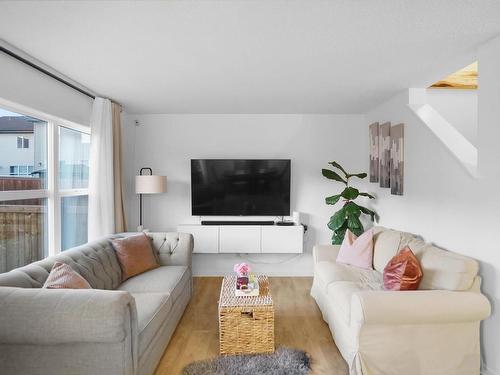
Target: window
{"x":21,"y":170}
{"x":74,"y":213}
{"x":43,"y":188}
{"x":74,"y":148}
{"x":23,"y":142}
{"x":25,"y":168}
{"x":24,"y":232}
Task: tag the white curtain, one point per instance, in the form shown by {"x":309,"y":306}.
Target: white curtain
{"x":120,"y":222}
{"x":101,"y":220}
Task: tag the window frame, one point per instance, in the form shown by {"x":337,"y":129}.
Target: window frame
{"x":22,"y":141}
{"x":52,"y":192}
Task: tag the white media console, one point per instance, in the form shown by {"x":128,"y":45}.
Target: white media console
{"x":268,"y":239}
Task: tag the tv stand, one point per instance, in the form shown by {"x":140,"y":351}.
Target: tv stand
{"x":232,"y":237}
{"x":236,"y":222}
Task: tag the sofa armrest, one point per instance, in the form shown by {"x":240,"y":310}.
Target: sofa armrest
{"x":325,"y":253}
{"x":418,"y":307}
{"x":174,"y":249}
{"x":59,"y":316}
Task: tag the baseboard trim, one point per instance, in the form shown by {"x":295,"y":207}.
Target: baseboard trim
{"x":290,"y":265}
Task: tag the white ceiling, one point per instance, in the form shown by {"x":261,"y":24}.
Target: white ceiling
{"x":251,"y":56}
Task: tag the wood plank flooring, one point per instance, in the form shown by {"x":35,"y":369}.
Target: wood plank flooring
{"x":298,"y":324}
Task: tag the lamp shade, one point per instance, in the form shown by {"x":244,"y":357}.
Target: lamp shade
{"x":150,"y":184}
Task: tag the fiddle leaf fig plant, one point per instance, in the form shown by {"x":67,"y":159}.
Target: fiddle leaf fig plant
{"x":348,"y":217}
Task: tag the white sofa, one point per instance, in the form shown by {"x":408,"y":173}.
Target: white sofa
{"x":432,"y":331}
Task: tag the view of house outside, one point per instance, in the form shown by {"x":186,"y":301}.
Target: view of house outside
{"x":23,"y":152}
{"x":23,"y":166}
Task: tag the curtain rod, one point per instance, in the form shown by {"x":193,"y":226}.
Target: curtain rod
{"x":45,"y":71}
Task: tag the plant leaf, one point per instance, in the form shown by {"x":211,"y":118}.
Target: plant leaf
{"x":338,"y":237}
{"x":352,"y":208}
{"x":333,"y":199}
{"x":357,"y":231}
{"x":359,"y":175}
{"x":366,"y":211}
{"x":338,"y":234}
{"x":338,"y":166}
{"x":338,"y":219}
{"x":350,"y":193}
{"x":353,"y":223}
{"x":367,"y":195}
{"x":332,"y":175}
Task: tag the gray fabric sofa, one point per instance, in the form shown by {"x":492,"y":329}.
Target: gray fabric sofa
{"x":115,"y":328}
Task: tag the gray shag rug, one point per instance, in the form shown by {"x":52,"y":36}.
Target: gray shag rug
{"x":283,"y":361}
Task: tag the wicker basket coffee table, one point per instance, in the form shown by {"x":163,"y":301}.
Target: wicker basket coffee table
{"x":246,"y":324}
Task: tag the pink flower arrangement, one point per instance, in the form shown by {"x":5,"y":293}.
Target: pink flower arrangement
{"x":241,"y":269}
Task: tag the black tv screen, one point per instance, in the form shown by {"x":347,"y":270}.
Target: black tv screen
{"x":240,"y":187}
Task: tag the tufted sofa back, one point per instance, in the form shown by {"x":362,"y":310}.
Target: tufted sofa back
{"x":95,"y":261}
{"x":166,"y":244}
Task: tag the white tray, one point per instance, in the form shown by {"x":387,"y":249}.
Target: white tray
{"x":252,"y":293}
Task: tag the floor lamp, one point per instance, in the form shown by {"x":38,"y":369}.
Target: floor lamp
{"x":148,"y":184}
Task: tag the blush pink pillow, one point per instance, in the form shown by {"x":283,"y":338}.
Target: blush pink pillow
{"x":62,"y":276}
{"x":135,"y":255}
{"x":357,"y":251}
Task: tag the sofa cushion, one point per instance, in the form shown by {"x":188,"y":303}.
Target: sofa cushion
{"x":442,"y":269}
{"x":95,"y":261}
{"x":164,"y":279}
{"x":340,"y":293}
{"x":385,"y":246}
{"x":417,"y":245}
{"x":329,"y":272}
{"x":446,"y":270}
{"x":152,"y":311}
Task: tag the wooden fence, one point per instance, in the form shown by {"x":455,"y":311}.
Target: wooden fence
{"x":20,"y":183}
{"x":9,"y":183}
{"x":22,"y":234}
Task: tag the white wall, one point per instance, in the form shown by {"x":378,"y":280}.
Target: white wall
{"x":168,"y":142}
{"x":442,"y":202}
{"x":458,"y":107}
{"x":24,"y":85}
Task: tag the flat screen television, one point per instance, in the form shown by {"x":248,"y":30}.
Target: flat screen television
{"x":240,"y":187}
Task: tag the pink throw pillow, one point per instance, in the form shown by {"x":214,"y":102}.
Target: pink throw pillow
{"x":62,"y":276}
{"x":357,"y":251}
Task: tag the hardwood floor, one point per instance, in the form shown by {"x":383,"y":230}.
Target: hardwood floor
{"x":298,"y":324}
